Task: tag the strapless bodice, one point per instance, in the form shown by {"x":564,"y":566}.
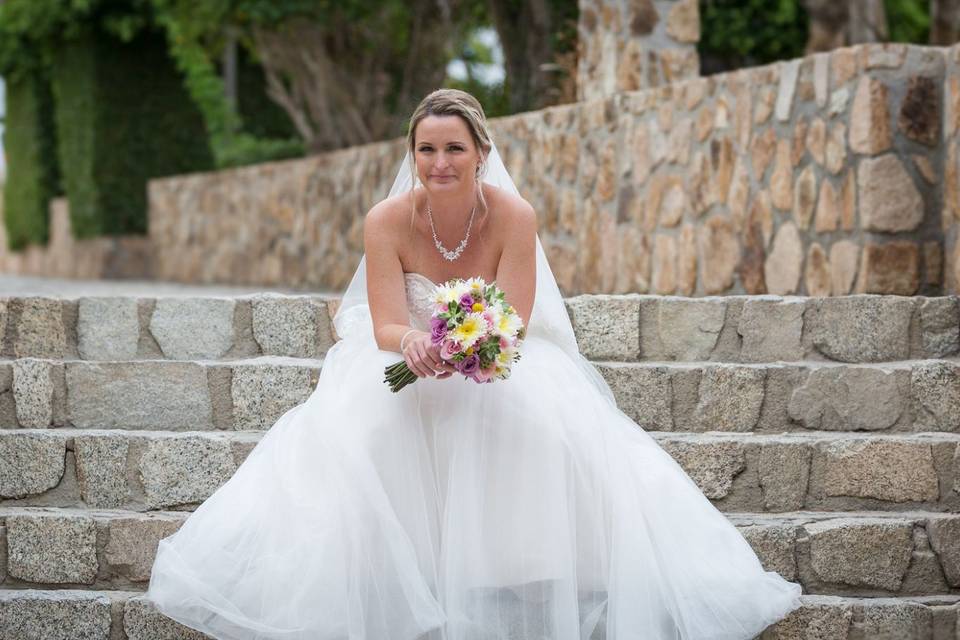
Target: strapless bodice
{"x":419,"y":299}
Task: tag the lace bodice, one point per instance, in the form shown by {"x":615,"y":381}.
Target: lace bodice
{"x":419,"y":292}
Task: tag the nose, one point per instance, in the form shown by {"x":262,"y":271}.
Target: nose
{"x":441,"y":160}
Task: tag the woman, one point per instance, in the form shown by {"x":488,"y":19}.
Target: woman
{"x":530,"y":508}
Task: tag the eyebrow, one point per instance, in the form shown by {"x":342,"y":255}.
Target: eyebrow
{"x":451,"y":142}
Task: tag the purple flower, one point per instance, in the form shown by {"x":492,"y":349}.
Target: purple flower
{"x":470,"y":365}
{"x":438,"y":329}
{"x":466,"y":301}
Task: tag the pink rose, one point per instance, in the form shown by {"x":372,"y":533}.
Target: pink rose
{"x":484,"y":375}
{"x":448,"y":349}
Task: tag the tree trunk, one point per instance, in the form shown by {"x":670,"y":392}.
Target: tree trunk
{"x":339,"y":88}
{"x":944,"y":22}
{"x":839,"y":23}
{"x":828,"y":24}
{"x":524,"y":29}
{"x":868,"y":22}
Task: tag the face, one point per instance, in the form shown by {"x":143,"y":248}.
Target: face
{"x":445,"y":153}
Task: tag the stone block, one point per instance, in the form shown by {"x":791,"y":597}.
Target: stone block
{"x":919,"y":117}
{"x":102,"y":469}
{"x":861,"y":552}
{"x":142,"y":621}
{"x":643,"y":393}
{"x":850,"y":399}
{"x":891,"y":268}
{"x":54,"y":615}
{"x":52,"y":548}
{"x":784,"y":475}
{"x":193,"y":328}
{"x":689,"y":328}
{"x":870,"y":118}
{"x":108,"y":328}
{"x":940,"y":327}
{"x":290,"y":326}
{"x":781,"y":271}
{"x":771,"y":330}
{"x":263,"y":393}
{"x":138,"y":395}
{"x":944,"y":534}
{"x":133,"y":542}
{"x":889,"y":199}
{"x":30,"y":463}
{"x":936,"y":395}
{"x":33,"y":392}
{"x":41,"y":332}
{"x":183,"y":470}
{"x":712,"y":465}
{"x":775,"y":547}
{"x":607,"y":327}
{"x":861,"y":328}
{"x":730,"y":398}
{"x":894,"y":471}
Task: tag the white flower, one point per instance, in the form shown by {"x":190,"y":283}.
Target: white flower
{"x":445,"y":294}
{"x":507,"y":325}
{"x":473,"y":327}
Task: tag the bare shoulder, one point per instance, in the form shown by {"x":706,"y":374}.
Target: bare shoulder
{"x":515,"y":212}
{"x":386,"y":215}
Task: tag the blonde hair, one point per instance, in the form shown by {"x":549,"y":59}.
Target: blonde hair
{"x":451,"y":102}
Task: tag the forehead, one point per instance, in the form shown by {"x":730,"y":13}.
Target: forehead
{"x":442,"y":130}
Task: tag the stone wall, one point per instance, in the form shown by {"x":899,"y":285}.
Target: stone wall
{"x":627,"y":45}
{"x":66,"y":257}
{"x":827,"y":175}
{"x":951,"y":171}
{"x":819,"y":176}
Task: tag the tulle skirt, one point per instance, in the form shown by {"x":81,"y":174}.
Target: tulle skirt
{"x":527,"y":509}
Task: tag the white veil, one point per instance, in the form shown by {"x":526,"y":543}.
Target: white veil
{"x":548,"y":319}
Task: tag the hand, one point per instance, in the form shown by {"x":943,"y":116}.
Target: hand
{"x":423,"y":357}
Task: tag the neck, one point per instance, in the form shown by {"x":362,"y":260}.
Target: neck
{"x":451,"y":212}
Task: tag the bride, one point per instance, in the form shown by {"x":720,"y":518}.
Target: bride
{"x":526,"y":509}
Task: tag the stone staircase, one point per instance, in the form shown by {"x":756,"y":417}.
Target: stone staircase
{"x":828,"y":429}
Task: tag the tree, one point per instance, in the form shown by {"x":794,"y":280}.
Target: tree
{"x":944,"y":22}
{"x":351,"y":75}
{"x":537,"y":36}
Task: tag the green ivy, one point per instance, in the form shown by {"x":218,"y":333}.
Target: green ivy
{"x":30,"y":145}
{"x":123,"y":118}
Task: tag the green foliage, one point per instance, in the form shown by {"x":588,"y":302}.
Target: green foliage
{"x":908,"y":20}
{"x":30,"y":146}
{"x":123,"y":118}
{"x":740,"y":33}
{"x":261,"y":116}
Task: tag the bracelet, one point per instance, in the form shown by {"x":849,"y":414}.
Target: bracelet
{"x":404,"y":338}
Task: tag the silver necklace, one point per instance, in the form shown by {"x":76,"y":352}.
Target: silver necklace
{"x":446,"y":253}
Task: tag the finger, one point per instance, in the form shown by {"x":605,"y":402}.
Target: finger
{"x":414,"y":365}
{"x":426,"y":362}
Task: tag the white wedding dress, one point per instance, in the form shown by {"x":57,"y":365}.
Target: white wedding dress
{"x":528,"y":509}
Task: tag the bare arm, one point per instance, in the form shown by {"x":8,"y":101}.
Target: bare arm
{"x":385,"y":291}
{"x":517,"y":271}
{"x":387,"y":298}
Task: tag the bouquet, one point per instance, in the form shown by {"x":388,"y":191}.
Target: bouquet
{"x":477,"y":331}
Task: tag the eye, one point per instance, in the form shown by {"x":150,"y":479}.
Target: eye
{"x":456,"y":147}
{"x":426,"y":148}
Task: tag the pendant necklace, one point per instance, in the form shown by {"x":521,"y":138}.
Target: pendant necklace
{"x":446,"y":253}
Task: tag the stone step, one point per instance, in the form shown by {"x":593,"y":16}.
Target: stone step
{"x":70,"y":614}
{"x":906,"y":396}
{"x":857,"y":554}
{"x":859,"y":328}
{"x":146,"y":470}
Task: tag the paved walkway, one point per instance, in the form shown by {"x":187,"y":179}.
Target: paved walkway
{"x":17,"y":285}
